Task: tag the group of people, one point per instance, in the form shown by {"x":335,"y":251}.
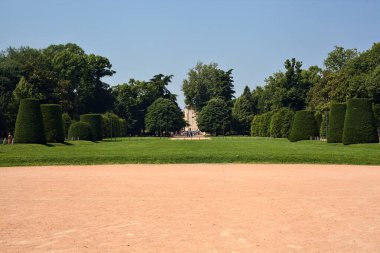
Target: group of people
{"x":8,"y":139}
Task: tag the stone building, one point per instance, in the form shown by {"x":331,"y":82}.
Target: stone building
{"x":191,"y":119}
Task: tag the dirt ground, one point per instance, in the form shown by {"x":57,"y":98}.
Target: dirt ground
{"x":190,"y":208}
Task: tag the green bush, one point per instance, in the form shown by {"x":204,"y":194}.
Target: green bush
{"x":29,"y":123}
{"x":53,"y":124}
{"x":265,"y":128}
{"x":336,"y":123}
{"x":66,"y":123}
{"x":256,"y":125}
{"x":323,"y":128}
{"x":376,"y":111}
{"x":281,"y":123}
{"x":304,"y":126}
{"x":80,"y":130}
{"x":359,"y":122}
{"x":95,"y":121}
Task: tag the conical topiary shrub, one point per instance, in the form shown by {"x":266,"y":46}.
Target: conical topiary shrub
{"x":29,"y":123}
{"x":304,"y":126}
{"x":80,"y":131}
{"x":336,"y":123}
{"x":359,"y":122}
{"x":95,"y":121}
{"x":53,"y":124}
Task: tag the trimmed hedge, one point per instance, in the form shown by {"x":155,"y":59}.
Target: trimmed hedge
{"x":95,"y":121}
{"x":281,"y":123}
{"x":322,"y":128}
{"x":336,"y":123}
{"x":256,"y":125}
{"x":80,"y":130}
{"x":304,"y":126}
{"x":53,"y":124}
{"x":359,"y":122}
{"x":260,"y":125}
{"x":29,"y":123}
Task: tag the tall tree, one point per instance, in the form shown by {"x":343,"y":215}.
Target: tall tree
{"x":205,"y":82}
{"x":243,"y":112}
{"x":164,"y":115}
{"x":215,"y":117}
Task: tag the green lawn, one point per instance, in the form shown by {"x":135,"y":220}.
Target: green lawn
{"x":217,"y":150}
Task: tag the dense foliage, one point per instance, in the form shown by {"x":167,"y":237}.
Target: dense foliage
{"x":95,"y":122}
{"x":336,"y":122}
{"x":205,"y":82}
{"x":66,"y":119}
{"x":80,"y":131}
{"x":164,"y":115}
{"x":29,"y":123}
{"x":359,"y":122}
{"x":281,"y":123}
{"x":304,"y":126}
{"x":113,"y":125}
{"x":53,"y":124}
{"x":242,"y":112}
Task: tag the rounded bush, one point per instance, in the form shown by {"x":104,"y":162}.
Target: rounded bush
{"x":95,"y":121}
{"x":359,"y":122}
{"x":281,"y":123}
{"x":53,"y":124}
{"x":80,"y":130}
{"x":304,"y":126}
{"x":376,"y":111}
{"x":29,"y":123}
{"x":336,"y":123}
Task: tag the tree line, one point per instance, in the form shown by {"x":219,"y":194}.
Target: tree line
{"x":66,"y":75}
{"x":346,"y":74}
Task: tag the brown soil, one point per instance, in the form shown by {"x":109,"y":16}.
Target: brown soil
{"x":190,"y":208}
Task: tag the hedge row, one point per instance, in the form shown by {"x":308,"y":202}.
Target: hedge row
{"x":113,"y":126}
{"x":261,"y":125}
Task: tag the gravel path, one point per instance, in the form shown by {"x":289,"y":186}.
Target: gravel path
{"x":190,"y":208}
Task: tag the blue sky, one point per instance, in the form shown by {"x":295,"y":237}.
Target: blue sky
{"x":144,"y":38}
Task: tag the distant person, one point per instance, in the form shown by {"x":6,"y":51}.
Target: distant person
{"x":10,"y":138}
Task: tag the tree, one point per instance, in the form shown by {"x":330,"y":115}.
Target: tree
{"x":205,"y":82}
{"x":243,"y":112}
{"x":215,"y":117}
{"x":304,"y":126}
{"x":164,"y":115}
{"x":338,"y":58}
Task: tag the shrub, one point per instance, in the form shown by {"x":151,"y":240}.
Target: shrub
{"x":256,"y":125}
{"x":80,"y":130}
{"x":281,"y":123}
{"x":66,"y":122}
{"x":359,"y":122}
{"x":265,"y":127}
{"x":304,"y":126}
{"x":29,"y":123}
{"x":336,"y":123}
{"x":53,"y":124}
{"x":95,"y":121}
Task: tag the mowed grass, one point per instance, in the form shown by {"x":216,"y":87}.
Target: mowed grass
{"x":216,"y":150}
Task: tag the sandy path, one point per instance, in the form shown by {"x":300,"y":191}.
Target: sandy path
{"x":190,"y":208}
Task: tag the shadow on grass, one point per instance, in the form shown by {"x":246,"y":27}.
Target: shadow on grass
{"x":48,"y":145}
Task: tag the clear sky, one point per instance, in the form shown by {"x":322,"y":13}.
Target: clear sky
{"x":147,"y":37}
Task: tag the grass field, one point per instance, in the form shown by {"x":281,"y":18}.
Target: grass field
{"x":217,"y":150}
